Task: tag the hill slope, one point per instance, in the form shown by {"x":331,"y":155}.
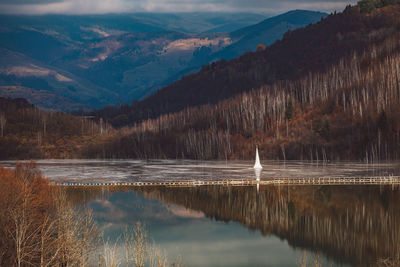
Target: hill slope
{"x":110,"y":59}
{"x":310,"y":49}
{"x":327,"y":92}
{"x":98,"y":60}
{"x":27,"y":132}
{"x":267,"y":32}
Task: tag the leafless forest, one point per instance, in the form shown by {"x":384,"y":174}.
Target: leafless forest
{"x":336,"y":101}
{"x":350,"y":111}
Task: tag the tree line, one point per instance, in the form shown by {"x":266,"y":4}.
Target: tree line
{"x":350,"y":111}
{"x":29,"y":132}
{"x":314,"y":48}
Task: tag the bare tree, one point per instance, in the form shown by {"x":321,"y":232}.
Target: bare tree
{"x":48,"y":249}
{"x":3,"y":122}
{"x":44,"y":122}
{"x":101,"y":125}
{"x":136,"y":245}
{"x":78,"y":235}
{"x":24,"y":232}
{"x":23,"y":236}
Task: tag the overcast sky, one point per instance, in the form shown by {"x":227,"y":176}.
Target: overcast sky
{"x":117,"y":6}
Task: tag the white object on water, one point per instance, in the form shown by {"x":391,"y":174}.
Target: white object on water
{"x":257,"y":165}
{"x":257,"y":172}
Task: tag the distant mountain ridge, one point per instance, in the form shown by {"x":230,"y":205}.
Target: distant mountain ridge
{"x":93,"y":61}
{"x":268,"y":31}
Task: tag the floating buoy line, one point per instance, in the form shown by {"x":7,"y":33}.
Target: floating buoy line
{"x":378,"y":180}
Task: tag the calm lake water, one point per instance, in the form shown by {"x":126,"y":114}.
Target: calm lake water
{"x":240,"y":226}
{"x":155,"y":170}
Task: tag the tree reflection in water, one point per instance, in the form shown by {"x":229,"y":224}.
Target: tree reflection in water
{"x":350,"y":224}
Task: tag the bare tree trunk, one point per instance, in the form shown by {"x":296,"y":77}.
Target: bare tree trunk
{"x":77,"y":233}
{"x":24,"y":235}
{"x":3,"y":122}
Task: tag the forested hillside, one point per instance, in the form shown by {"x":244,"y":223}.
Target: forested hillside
{"x":329,"y":91}
{"x":29,"y":132}
{"x":312,"y":49}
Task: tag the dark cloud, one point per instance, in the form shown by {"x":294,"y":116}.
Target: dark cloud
{"x":28,"y":2}
{"x":111,"y":6}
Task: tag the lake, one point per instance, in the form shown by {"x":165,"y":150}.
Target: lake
{"x":239,"y":225}
{"x":160,"y":170}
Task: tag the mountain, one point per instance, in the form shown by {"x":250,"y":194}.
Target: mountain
{"x":329,"y":91}
{"x":267,"y":32}
{"x":97,"y":60}
{"x":92,"y":61}
{"x":18,"y":71}
{"x":200,"y":22}
{"x":313,"y":48}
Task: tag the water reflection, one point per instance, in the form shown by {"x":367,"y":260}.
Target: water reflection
{"x":156,"y":170}
{"x":257,"y":172}
{"x":348,"y":224}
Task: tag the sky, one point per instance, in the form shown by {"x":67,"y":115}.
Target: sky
{"x":167,"y":6}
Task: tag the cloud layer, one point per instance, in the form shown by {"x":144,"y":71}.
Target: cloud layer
{"x":117,"y":6}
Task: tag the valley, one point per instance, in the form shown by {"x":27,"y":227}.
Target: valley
{"x":93,"y":61}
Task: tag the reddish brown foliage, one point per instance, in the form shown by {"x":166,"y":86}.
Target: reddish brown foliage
{"x":23,"y":192}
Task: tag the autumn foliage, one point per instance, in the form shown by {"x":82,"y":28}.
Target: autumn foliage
{"x":26,"y":200}
{"x":38,"y":226}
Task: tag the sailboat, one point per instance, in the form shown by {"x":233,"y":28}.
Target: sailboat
{"x":257,"y":164}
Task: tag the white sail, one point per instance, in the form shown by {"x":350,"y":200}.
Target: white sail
{"x":257,"y":164}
